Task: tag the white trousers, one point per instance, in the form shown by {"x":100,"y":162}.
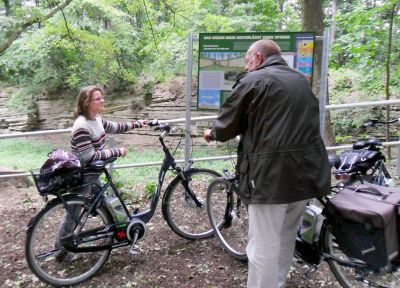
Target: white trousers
{"x":272,"y":239}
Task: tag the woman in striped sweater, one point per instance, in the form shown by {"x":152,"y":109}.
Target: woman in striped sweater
{"x":89,"y":129}
{"x":88,"y":144}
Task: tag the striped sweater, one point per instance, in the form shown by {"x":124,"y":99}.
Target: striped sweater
{"x":89,"y":136}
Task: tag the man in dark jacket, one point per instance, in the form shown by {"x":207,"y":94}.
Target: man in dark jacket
{"x":282,"y":160}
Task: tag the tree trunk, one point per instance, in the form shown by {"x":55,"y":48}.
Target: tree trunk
{"x":280,"y":7}
{"x":8,"y":7}
{"x":219,"y":6}
{"x":333,"y":22}
{"x":387,"y":84}
{"x":312,"y":20}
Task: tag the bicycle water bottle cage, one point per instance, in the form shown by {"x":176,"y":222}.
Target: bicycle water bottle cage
{"x":370,"y":144}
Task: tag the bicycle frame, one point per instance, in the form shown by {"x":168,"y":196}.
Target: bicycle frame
{"x":231,"y":180}
{"x":144,"y":217}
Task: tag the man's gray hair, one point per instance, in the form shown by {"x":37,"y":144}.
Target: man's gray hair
{"x":266,"y":47}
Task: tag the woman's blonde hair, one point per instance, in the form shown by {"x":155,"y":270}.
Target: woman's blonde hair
{"x":84,"y":97}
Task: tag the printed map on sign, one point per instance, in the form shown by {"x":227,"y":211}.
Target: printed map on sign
{"x":221,"y":60}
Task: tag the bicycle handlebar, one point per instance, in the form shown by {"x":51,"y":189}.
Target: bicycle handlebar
{"x":158,"y":126}
{"x":373,"y":122}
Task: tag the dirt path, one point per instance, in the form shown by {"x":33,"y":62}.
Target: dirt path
{"x":164,"y":260}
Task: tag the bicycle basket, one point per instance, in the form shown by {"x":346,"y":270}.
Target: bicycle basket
{"x":61,"y":171}
{"x":57,"y":182}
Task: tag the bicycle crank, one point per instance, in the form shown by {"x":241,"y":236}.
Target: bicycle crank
{"x":136,"y":230}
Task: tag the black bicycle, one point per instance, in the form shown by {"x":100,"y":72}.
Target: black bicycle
{"x":96,"y":232}
{"x":364,"y":163}
{"x":315,"y":241}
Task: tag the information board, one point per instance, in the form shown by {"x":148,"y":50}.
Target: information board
{"x":221,"y":60}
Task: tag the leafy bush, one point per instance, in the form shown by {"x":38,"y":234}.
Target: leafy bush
{"x":349,"y":86}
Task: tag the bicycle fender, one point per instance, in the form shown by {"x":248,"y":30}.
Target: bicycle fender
{"x":51,"y":202}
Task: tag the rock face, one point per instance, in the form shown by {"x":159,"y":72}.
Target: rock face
{"x":165,"y":101}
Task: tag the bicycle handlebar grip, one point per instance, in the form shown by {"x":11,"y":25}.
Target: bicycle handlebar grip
{"x":158,"y":126}
{"x":153,"y":123}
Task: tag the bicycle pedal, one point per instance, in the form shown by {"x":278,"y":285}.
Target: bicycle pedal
{"x":133,"y":250}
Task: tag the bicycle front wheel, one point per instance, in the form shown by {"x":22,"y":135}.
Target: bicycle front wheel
{"x":228,"y":217}
{"x":183,"y":216}
{"x":351,"y":276}
{"x":50,"y":262}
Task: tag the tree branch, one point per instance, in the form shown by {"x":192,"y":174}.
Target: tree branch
{"x":14,"y":36}
{"x":174,"y":12}
{"x":151,"y":25}
{"x":66,"y":26}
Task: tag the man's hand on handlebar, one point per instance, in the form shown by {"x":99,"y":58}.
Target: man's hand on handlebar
{"x":207,"y":136}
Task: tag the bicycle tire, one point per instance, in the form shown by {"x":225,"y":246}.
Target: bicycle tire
{"x":43,"y":257}
{"x":348,"y":277}
{"x":179,"y":210}
{"x":233,"y":236}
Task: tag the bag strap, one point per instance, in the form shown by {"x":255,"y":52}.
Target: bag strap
{"x":371,"y":191}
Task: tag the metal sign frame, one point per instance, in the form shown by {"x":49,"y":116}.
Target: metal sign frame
{"x":221,"y":60}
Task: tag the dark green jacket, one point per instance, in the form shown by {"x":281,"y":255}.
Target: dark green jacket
{"x":283,"y":158}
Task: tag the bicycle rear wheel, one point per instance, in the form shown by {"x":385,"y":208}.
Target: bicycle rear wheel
{"x":180,"y":211}
{"x":352,"y":277}
{"x":56,"y":266}
{"x":228,"y":217}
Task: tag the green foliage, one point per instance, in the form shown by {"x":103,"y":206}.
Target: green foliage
{"x":34,"y":153}
{"x":148,"y":92}
{"x":150,"y":189}
{"x":23,"y":155}
{"x":362,"y":42}
{"x":351,"y":86}
{"x":116,"y":178}
{"x":258,"y":15}
{"x":343,"y":139}
{"x":114,"y":42}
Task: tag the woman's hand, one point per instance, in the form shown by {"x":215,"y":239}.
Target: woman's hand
{"x":144,"y":123}
{"x":123,"y":151}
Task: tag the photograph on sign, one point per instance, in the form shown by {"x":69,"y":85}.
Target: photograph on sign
{"x":222,"y":59}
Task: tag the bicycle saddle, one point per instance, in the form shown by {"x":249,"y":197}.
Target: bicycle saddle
{"x":100,"y":164}
{"x":371,"y":143}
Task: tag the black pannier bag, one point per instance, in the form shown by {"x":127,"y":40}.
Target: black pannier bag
{"x":61,"y":171}
{"x":366,"y":223}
